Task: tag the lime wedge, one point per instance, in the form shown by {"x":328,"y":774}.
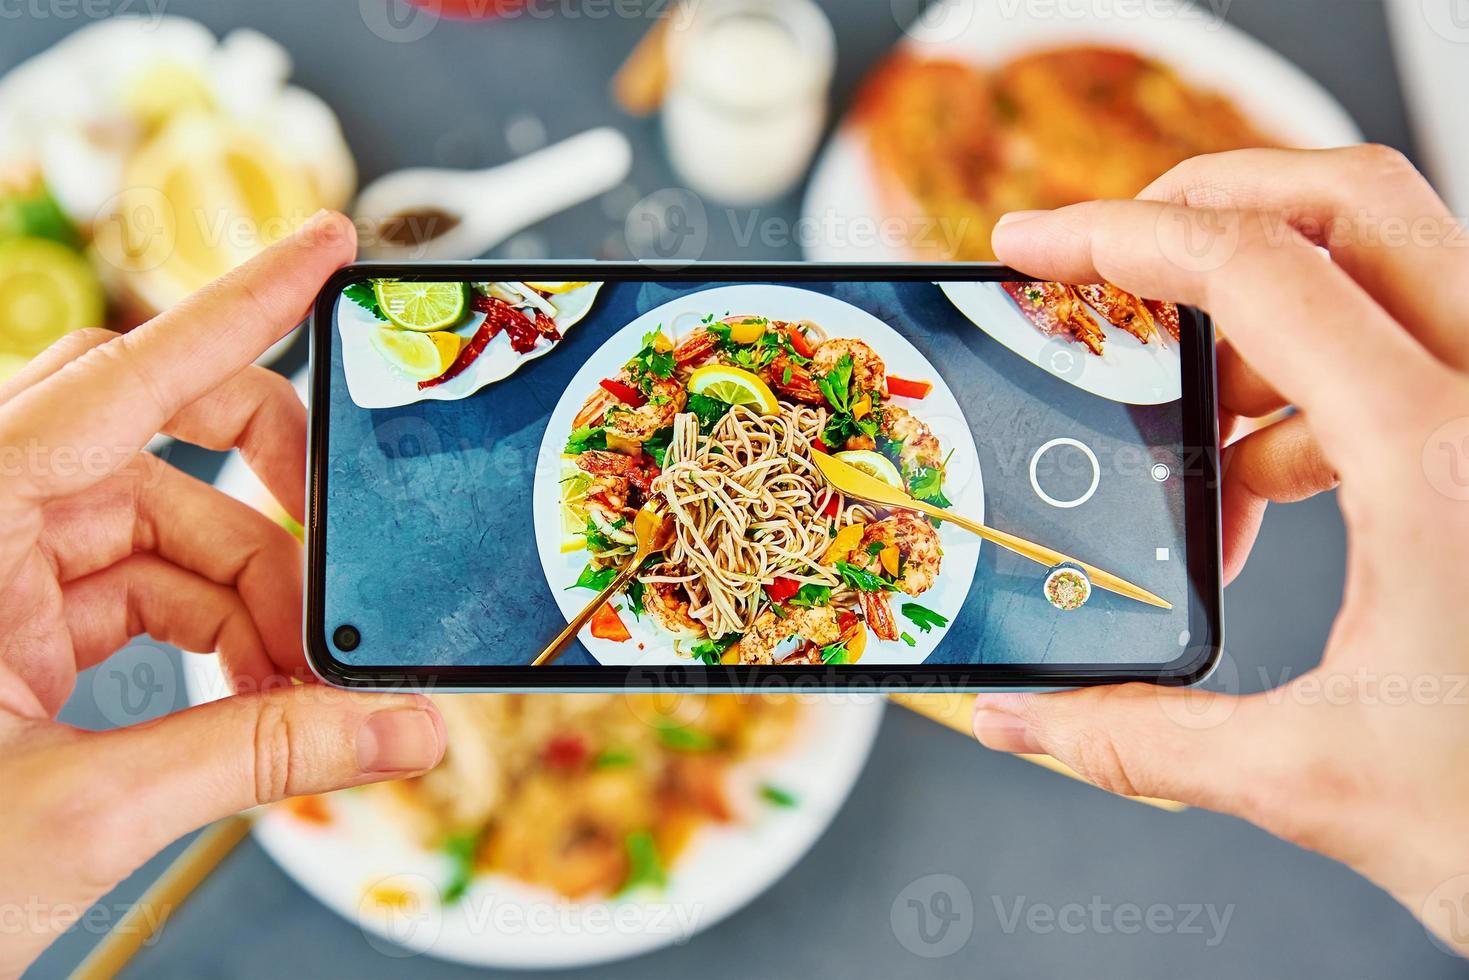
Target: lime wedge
{"x":874,"y":464}
{"x":46,"y":290}
{"x":421,"y":306}
{"x":421,"y":356}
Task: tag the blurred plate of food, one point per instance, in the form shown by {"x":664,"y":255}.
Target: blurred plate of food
{"x":405,"y":341}
{"x":1098,"y":337}
{"x":568,"y":830}
{"x":986,"y":108}
{"x":159,"y":157}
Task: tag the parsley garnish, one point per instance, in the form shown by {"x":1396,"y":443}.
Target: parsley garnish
{"x":812,"y":596}
{"x":586,"y":437}
{"x":596,"y":540}
{"x":634,"y":595}
{"x":709,"y":651}
{"x":682,"y":738}
{"x":908,"y":639}
{"x":592,"y":577}
{"x":612,"y":758}
{"x":656,"y":445}
{"x":460,"y":850}
{"x":645,"y":867}
{"x":777,"y":796}
{"x":360,"y":292}
{"x":709,"y":410}
{"x":835,"y":653}
{"x":860,"y":578}
{"x":923,"y":617}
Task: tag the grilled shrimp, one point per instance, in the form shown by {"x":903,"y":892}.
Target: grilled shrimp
{"x":819,"y":626}
{"x":608,"y":504}
{"x":666,"y":398}
{"x":909,"y":554}
{"x":668,"y":604}
{"x":868,"y":371}
{"x":1119,"y":308}
{"x":917,"y":445}
{"x":792,"y":380}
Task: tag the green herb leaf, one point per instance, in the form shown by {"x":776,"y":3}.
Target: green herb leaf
{"x":586,"y":437}
{"x":656,"y":445}
{"x":777,"y":796}
{"x":710,"y":650}
{"x":860,"y":578}
{"x":682,"y":738}
{"x":811,"y":596}
{"x":360,"y":292}
{"x":634,"y":594}
{"x":645,"y":867}
{"x":709,"y":410}
{"x":460,"y":849}
{"x":613,"y":758}
{"x":923,"y":617}
{"x":835,"y":653}
{"x":595,"y":578}
{"x":907,"y":638}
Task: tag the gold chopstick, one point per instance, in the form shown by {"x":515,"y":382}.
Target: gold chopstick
{"x":145,"y":919}
{"x":855,"y":483}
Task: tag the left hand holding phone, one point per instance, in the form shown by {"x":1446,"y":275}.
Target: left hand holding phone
{"x":100,"y":542}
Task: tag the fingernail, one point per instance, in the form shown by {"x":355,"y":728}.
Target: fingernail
{"x":1012,"y":217}
{"x":1004,"y":732}
{"x":398,"y":740}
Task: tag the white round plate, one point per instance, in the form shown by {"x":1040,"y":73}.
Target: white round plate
{"x":1278,"y":97}
{"x":1127,"y":370}
{"x":505,"y":924}
{"x":940,"y":410}
{"x":374,"y":383}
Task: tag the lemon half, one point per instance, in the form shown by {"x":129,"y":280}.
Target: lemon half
{"x":734,"y":386}
{"x":421,"y":356}
{"x":874,"y":464}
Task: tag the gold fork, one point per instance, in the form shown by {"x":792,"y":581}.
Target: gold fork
{"x":653,"y":528}
{"x":854,"y":483}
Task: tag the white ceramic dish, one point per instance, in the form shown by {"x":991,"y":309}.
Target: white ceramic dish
{"x":1127,"y":370}
{"x":504,"y":924}
{"x":940,"y":410}
{"x":374,"y":383}
{"x":1281,"y":99}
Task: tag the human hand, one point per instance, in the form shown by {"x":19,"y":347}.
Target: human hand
{"x":100,"y":542}
{"x":1365,"y":759}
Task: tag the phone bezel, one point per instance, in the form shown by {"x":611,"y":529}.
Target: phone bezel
{"x":1201,"y":512}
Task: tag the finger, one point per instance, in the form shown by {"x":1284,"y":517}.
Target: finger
{"x":1379,"y":218}
{"x":1189,"y":745}
{"x":1300,"y":321}
{"x":173,"y":360}
{"x":59,"y":354}
{"x":1242,"y":391}
{"x":1281,"y":463}
{"x":259,"y":412}
{"x":170,"y":776}
{"x":152,"y":507}
{"x":146,"y":594}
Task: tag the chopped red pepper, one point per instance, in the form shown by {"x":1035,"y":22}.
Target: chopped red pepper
{"x":819,"y":446}
{"x":566,"y":750}
{"x":606,"y":625}
{"x":624,"y":392}
{"x":782,"y":589}
{"x":832,"y":505}
{"x":904,"y":388}
{"x":799,"y":343}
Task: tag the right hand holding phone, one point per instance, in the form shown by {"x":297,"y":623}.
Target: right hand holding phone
{"x":1341,"y":282}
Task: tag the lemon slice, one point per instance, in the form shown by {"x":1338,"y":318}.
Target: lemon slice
{"x":734,"y":386}
{"x":874,"y":464}
{"x":421,"y":356}
{"x":46,"y":290}
{"x":422,"y":306}
{"x":165,"y":89}
{"x":555,"y":287}
{"x":574,"y":486}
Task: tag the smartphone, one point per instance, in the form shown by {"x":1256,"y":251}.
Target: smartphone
{"x":492,"y":442}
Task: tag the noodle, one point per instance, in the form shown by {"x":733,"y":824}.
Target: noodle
{"x":747,"y":502}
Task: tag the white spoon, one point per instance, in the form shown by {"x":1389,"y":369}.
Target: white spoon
{"x":430,"y":213}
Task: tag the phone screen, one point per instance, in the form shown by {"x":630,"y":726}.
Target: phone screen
{"x":490,"y":453}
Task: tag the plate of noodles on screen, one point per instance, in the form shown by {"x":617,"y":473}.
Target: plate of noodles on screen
{"x":714,"y":403}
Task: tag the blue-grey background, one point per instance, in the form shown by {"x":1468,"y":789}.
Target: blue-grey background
{"x":930,"y":801}
{"x":430,"y":539}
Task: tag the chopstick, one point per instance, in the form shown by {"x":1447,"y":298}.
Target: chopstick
{"x":145,"y":919}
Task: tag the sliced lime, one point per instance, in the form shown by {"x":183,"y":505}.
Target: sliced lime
{"x":422,"y":306}
{"x":46,"y":290}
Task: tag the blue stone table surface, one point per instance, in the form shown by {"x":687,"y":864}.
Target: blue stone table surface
{"x":431,"y":549}
{"x":930,"y":801}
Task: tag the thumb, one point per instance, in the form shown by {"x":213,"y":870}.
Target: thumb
{"x":1194,"y":746}
{"x":210,"y":761}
